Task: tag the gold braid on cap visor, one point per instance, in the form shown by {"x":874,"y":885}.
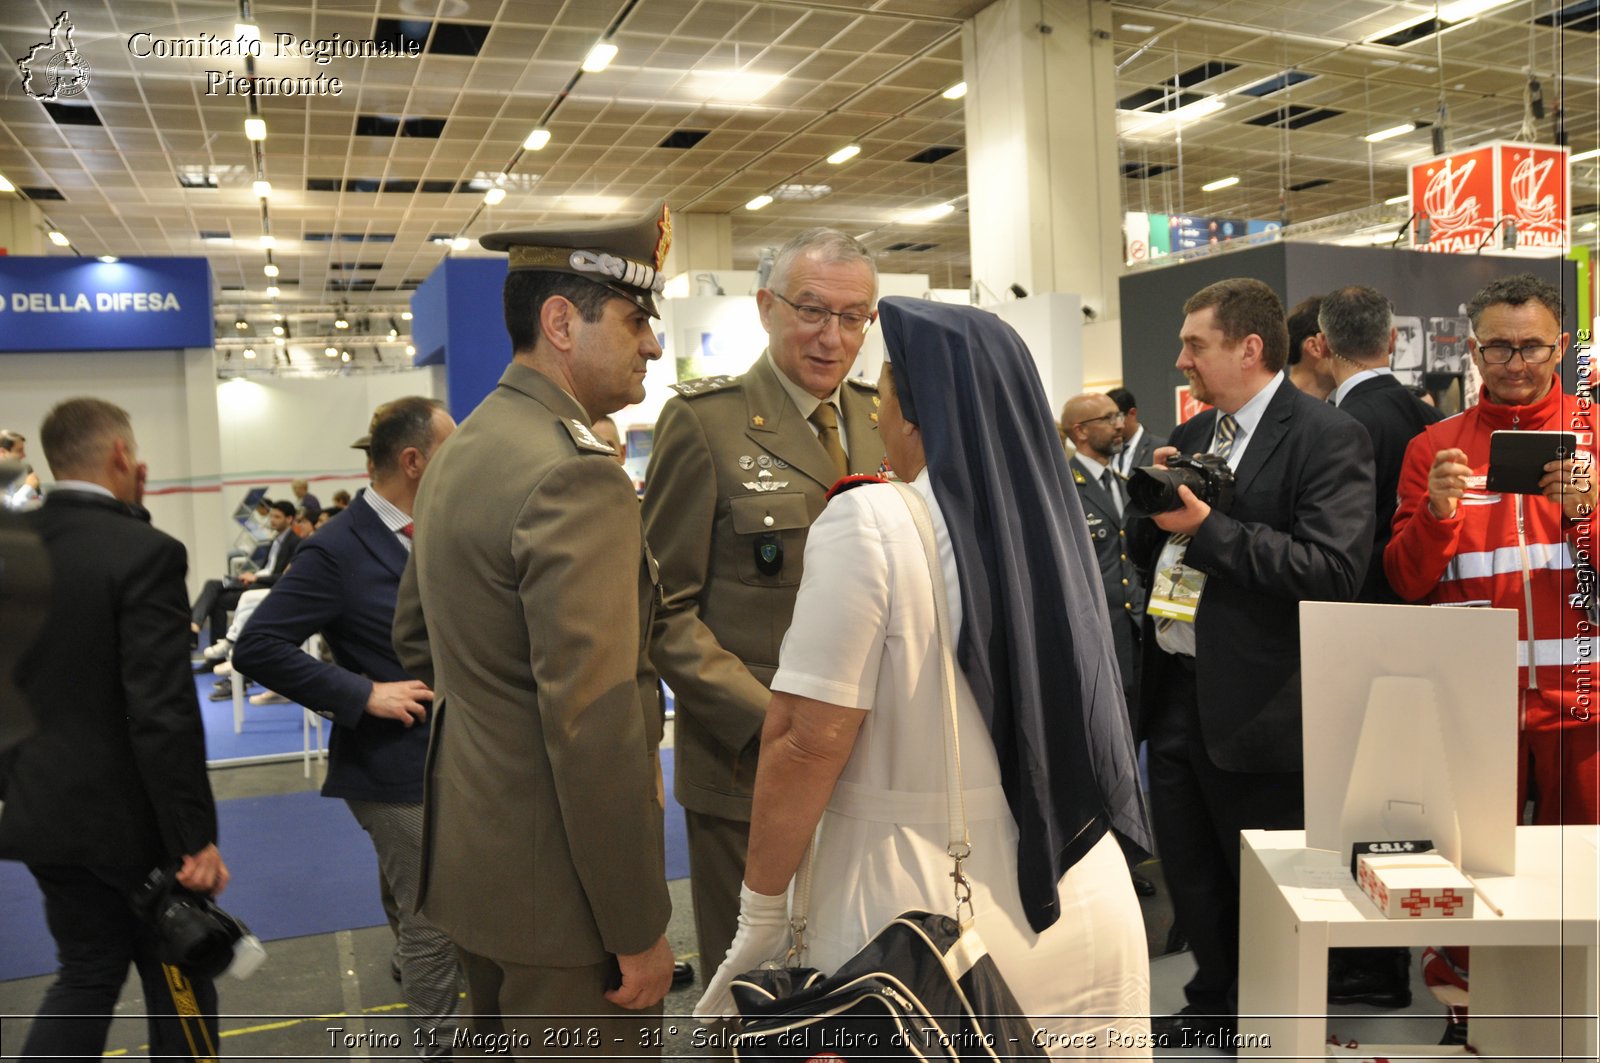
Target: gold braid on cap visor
{"x":623,"y":270}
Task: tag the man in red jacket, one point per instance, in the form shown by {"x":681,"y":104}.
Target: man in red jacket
{"x":1454,"y":541}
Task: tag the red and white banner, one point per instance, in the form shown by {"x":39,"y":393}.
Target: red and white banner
{"x":1465,"y":195}
{"x":1187,"y":405}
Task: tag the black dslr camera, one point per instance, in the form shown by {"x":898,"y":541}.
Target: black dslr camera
{"x":1154,"y":488}
{"x":192,"y":932}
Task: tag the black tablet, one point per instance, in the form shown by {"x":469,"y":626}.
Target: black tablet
{"x":1517,"y":459}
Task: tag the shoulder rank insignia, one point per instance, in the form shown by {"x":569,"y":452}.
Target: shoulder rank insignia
{"x":855,"y":479}
{"x":863,"y":383}
{"x":586,"y":439}
{"x":1078,"y":477}
{"x":693,"y":389}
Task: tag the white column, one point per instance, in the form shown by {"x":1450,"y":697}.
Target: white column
{"x":1042,"y":177}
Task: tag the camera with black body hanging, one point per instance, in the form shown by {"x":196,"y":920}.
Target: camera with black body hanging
{"x":192,"y":932}
{"x":1154,"y":488}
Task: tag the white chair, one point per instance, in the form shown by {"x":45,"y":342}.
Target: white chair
{"x":308,"y":719}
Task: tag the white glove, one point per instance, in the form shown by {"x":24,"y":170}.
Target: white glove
{"x":763,"y":935}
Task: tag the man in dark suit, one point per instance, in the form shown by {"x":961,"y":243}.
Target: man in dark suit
{"x":113,"y":783}
{"x":1093,"y":424}
{"x":1221,"y":689}
{"x":217,"y":597}
{"x":343,"y":585}
{"x":1358,"y":330}
{"x":1308,"y":352}
{"x":1137,"y":443}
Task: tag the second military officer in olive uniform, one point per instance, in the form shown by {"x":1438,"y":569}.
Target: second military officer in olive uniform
{"x":740,"y":468}
{"x":1093,"y":424}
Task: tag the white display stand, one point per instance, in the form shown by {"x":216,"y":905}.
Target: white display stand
{"x":1535,"y":989}
{"x":1410,"y":723}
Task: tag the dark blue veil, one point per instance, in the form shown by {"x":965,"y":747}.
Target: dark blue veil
{"x":1035,"y":640}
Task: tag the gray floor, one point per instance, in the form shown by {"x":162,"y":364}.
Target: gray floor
{"x":331,"y":995}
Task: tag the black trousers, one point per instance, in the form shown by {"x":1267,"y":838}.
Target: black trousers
{"x":1198,"y":811}
{"x":97,"y":935}
{"x":215,"y":600}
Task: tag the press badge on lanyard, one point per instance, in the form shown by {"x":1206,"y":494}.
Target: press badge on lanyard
{"x":1175,"y":594}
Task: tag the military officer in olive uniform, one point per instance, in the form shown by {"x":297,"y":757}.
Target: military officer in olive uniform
{"x":740,"y":468}
{"x":527,"y":607}
{"x":1093,"y":424}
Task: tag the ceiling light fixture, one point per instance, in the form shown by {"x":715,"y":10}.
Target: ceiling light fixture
{"x":1585,"y":156}
{"x":410,"y":350}
{"x":58,"y":238}
{"x":255,"y":128}
{"x":537,"y":140}
{"x":6,"y":186}
{"x":341,"y":321}
{"x":270,"y":269}
{"x":494,"y":195}
{"x":1393,"y":131}
{"x":460,"y":243}
{"x":405,"y":315}
{"x":758,"y":202}
{"x":1219,"y":184}
{"x":1396,"y":200}
{"x":279,"y":340}
{"x":249,"y":352}
{"x":331,"y":352}
{"x":1130,"y":122}
{"x":733,"y":86}
{"x":344,"y":356}
{"x":247,"y":30}
{"x":241,"y":324}
{"x":262,"y":189}
{"x":599,"y":57}
{"x":933,"y":213}
{"x":272,"y":293}
{"x":277,"y":330}
{"x":269,"y":241}
{"x":108,"y":259}
{"x":845,"y":154}
{"x":956,"y":91}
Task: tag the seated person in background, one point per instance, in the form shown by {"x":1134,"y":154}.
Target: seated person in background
{"x":304,"y":499}
{"x":854,"y":733}
{"x":328,"y":514}
{"x":341,"y":499}
{"x":22,"y":492}
{"x":1455,"y":542}
{"x":219,"y":596}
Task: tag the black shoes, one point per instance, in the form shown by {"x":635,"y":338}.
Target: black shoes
{"x":1380,"y":977}
{"x":682,"y":975}
{"x":222,"y":691}
{"x":1190,"y":1028}
{"x":1141,"y":885}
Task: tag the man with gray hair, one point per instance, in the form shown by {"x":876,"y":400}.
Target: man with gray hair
{"x":1358,"y":331}
{"x":740,"y":468}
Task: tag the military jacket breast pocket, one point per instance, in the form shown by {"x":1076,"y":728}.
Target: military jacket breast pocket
{"x":769,"y":537}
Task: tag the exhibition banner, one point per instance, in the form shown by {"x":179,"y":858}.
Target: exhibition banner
{"x":83,"y":304}
{"x":1464,"y":196}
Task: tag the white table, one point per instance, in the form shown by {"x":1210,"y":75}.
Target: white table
{"x":1535,"y":990}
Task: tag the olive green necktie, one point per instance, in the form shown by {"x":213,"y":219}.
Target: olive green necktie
{"x":827,"y":423}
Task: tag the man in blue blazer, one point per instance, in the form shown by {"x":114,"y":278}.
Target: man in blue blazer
{"x":1221,"y":689}
{"x":343,"y":585}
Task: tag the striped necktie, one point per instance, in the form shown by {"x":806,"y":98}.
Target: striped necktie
{"x":1227,"y":434}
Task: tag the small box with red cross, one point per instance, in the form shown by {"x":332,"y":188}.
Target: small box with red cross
{"x":1415,"y":886}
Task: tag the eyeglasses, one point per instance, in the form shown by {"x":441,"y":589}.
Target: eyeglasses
{"x":817,"y":316}
{"x":1532,"y":353}
{"x":1112,"y":419}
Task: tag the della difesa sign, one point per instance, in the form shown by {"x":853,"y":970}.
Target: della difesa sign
{"x":61,"y":303}
{"x":1466,"y":194}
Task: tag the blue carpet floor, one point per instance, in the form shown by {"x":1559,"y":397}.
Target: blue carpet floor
{"x":269,"y":730}
{"x":300,"y":865}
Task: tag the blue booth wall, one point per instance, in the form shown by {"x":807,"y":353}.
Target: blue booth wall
{"x":458,"y":321}
{"x":83,"y":304}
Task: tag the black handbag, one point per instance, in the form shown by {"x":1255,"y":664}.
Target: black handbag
{"x":923,"y":987}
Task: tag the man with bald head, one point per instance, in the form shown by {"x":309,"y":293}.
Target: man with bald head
{"x":1093,"y":424}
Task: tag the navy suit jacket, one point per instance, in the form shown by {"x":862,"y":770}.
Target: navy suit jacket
{"x":342,"y":584}
{"x":1300,"y":528}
